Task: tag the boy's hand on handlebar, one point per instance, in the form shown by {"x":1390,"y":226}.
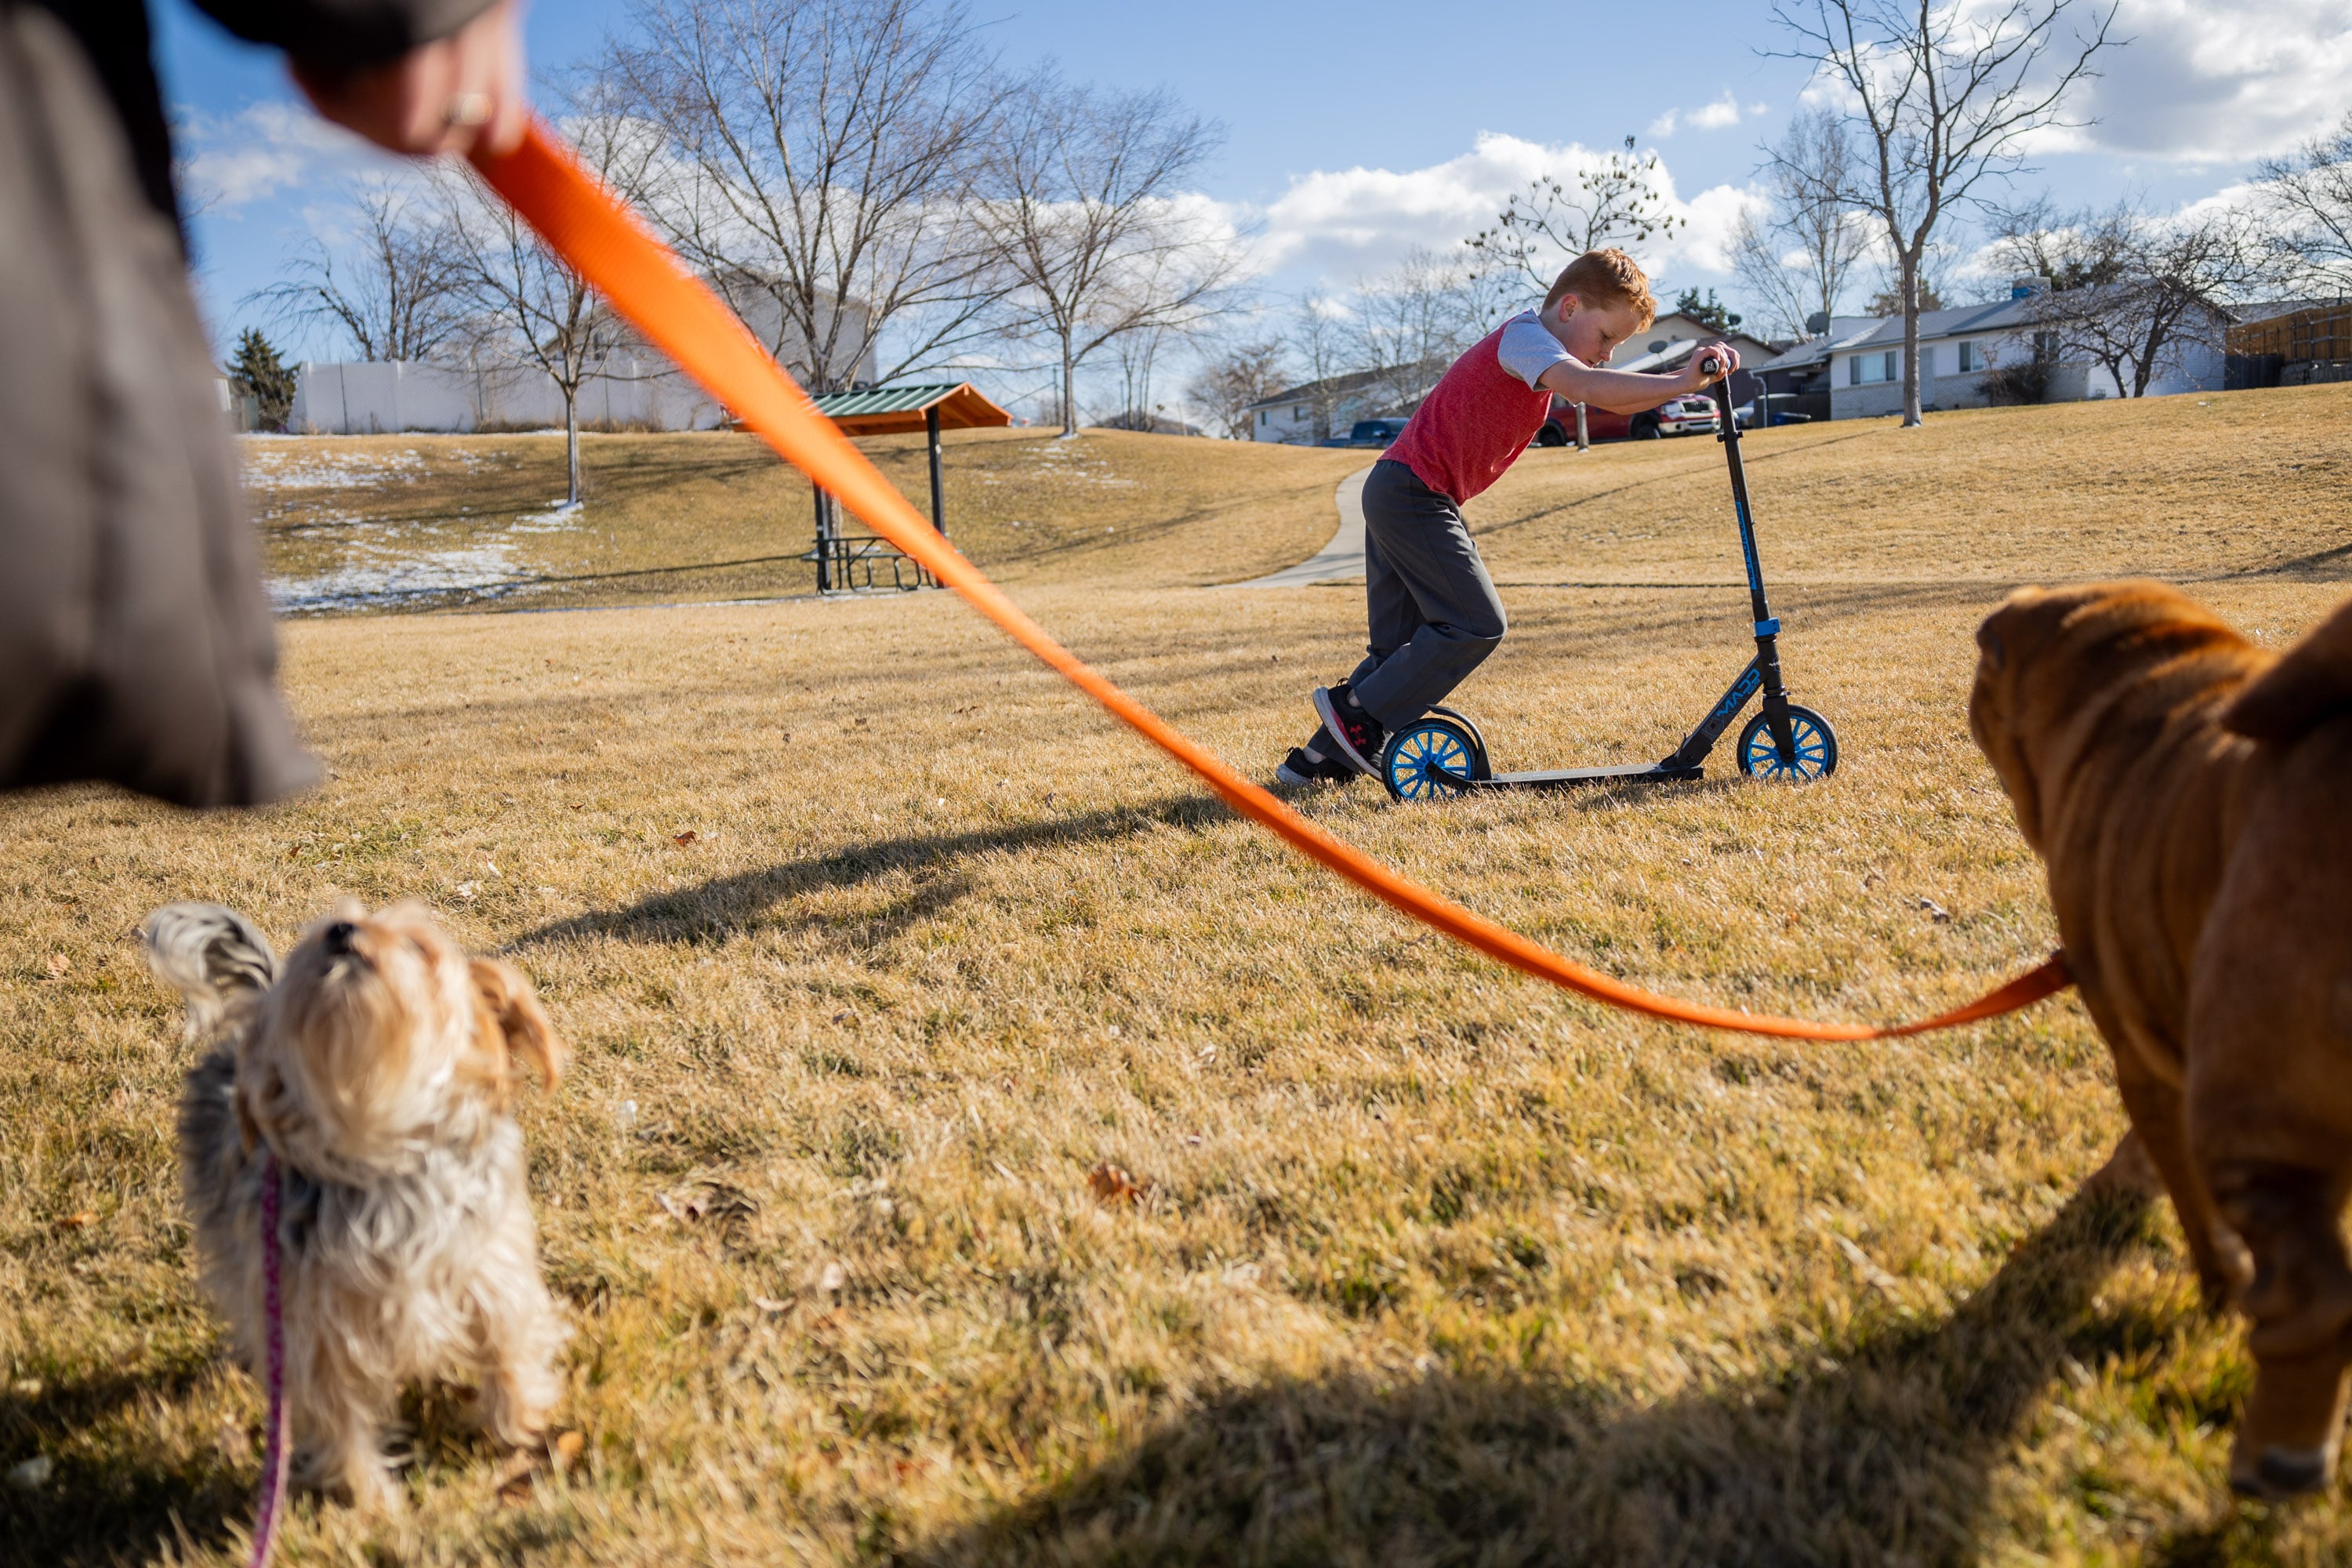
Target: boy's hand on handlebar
{"x":1710,"y":364}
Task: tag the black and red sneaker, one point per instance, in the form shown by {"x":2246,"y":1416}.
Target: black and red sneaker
{"x":1297,"y":770}
{"x":1359,"y":734}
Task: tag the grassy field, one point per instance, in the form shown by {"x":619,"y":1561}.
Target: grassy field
{"x":424,"y":521}
{"x":1429,"y":1264}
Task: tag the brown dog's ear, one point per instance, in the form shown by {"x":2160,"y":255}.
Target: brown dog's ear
{"x":2313,"y":681}
{"x":514,"y":1008}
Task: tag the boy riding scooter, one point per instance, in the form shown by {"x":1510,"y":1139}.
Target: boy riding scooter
{"x":1433,"y":611}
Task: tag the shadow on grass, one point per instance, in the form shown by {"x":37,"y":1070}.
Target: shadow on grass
{"x":134,"y":1493}
{"x":728,"y":906}
{"x":1883,"y":1457}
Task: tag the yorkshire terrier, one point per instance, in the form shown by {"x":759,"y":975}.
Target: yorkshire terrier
{"x":377,"y":1065}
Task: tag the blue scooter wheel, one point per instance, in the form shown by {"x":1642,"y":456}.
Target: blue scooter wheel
{"x":1432,"y":759}
{"x":1815,"y":754}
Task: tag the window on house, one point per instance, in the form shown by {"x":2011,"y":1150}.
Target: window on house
{"x":1266,"y":416}
{"x":2045,"y":345}
{"x":1971,"y":357}
{"x":1869,"y":369}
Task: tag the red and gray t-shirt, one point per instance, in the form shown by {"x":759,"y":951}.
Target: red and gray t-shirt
{"x":1484,"y":411}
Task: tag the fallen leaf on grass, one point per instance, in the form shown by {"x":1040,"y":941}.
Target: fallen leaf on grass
{"x":513,"y":1480}
{"x":58,"y":965}
{"x":82,"y":1220}
{"x":834,"y":1278}
{"x":770,"y":1305}
{"x":684,"y":839}
{"x":468,"y":892}
{"x":566,"y":1450}
{"x":1114,"y":1186}
{"x":716,"y":1199}
{"x":1935,"y":912}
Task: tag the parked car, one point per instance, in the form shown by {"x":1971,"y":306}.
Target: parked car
{"x":1369,"y":433}
{"x":1689,"y":415}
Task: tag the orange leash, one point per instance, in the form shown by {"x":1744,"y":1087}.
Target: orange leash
{"x":595,"y":232}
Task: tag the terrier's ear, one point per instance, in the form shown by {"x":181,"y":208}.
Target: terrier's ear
{"x":522,"y":1022}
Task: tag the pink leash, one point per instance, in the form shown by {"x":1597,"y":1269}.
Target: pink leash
{"x":273,"y":1321}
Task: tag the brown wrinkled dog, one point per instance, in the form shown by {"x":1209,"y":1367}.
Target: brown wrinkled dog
{"x":2192,"y":796}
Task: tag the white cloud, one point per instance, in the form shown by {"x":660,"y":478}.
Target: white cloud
{"x":1345,"y":223}
{"x":2201,"y":82}
{"x":231,"y":161}
{"x":1717,"y":115}
{"x":2193,"y":81}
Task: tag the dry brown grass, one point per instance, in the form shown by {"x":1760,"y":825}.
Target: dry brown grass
{"x":1431,"y":1265}
{"x":713,"y":516}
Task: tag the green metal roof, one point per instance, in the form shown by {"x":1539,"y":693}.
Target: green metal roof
{"x":881,"y":410}
{"x":884,"y":400}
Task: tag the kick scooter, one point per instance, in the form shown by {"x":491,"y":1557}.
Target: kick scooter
{"x":1442,"y":754}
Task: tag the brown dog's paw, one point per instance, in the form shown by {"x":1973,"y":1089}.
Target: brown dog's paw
{"x":2276,"y":1474}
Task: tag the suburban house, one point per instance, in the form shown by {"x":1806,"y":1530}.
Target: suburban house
{"x":1673,"y":328}
{"x":1858,"y":362}
{"x":1316,"y":411}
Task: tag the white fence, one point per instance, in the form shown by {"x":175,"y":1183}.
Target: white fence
{"x":360,"y":399}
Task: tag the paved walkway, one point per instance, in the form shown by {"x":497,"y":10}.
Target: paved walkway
{"x":1343,"y":560}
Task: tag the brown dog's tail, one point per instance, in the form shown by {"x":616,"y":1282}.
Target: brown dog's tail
{"x":2312,"y":682}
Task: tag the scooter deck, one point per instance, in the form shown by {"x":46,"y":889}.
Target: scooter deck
{"x":1564,"y":778}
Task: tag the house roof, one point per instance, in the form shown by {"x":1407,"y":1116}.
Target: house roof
{"x":1336,"y":385}
{"x":884,"y":410}
{"x":1845,"y":330}
{"x":1887,"y":331}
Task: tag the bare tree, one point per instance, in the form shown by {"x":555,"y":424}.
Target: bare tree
{"x":823,"y":153}
{"x":2308,"y":196}
{"x":1615,"y":201}
{"x":2132,"y":293}
{"x":1323,"y":343}
{"x":522,"y":305}
{"x":1938,"y":99}
{"x":2071,"y":250}
{"x":1134,"y":353}
{"x":390,"y":291}
{"x":1414,"y":319}
{"x":1798,"y":262}
{"x":1086,"y":212}
{"x":1235,"y":379}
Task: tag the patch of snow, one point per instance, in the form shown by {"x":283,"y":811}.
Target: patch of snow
{"x":276,"y":467}
{"x":488,"y":571}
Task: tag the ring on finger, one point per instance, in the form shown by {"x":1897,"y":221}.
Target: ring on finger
{"x":468,"y":110}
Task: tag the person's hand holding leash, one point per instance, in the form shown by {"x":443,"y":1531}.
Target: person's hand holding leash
{"x":463,"y":93}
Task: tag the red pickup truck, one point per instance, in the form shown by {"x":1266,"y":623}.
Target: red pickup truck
{"x":1691,"y":414}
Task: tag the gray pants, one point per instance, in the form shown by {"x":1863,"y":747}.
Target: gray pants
{"x":1434,"y":613}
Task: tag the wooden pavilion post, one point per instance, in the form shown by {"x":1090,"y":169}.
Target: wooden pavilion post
{"x":939,"y":504}
{"x":824,"y":539}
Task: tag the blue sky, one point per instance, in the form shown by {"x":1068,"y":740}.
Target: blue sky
{"x":1356,"y":131}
